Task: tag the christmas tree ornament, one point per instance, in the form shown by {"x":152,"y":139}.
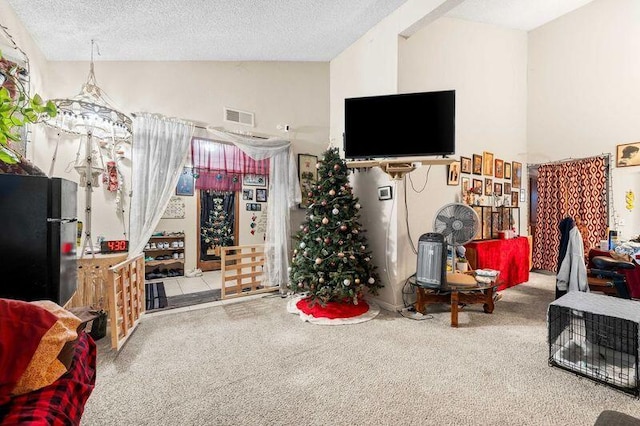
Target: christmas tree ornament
{"x":343,"y":227}
{"x":335,"y":211}
{"x":318,"y":261}
{"x":357,"y":281}
{"x":303,"y":245}
{"x":357,"y":206}
{"x":325,"y":220}
{"x":341,"y":254}
{"x":332,"y":192}
{"x":346,"y":282}
{"x":336,"y":167}
{"x":371,"y":281}
{"x":327,"y":240}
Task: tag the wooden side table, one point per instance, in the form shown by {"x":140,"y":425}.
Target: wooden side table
{"x":455,"y":295}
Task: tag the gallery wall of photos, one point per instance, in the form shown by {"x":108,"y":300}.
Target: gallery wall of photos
{"x":488,"y":181}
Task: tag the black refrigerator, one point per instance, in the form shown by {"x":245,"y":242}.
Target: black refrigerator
{"x":38,"y":230}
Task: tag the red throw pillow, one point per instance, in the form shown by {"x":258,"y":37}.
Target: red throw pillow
{"x":22,"y":326}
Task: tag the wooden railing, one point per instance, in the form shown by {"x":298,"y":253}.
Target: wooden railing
{"x":126,"y":299}
{"x":243,"y":271}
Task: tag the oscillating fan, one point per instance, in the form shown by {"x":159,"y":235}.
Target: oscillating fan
{"x":457,"y":223}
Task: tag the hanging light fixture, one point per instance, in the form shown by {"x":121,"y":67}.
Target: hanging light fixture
{"x":88,"y":114}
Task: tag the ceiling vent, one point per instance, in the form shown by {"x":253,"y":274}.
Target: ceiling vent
{"x":240,"y":117}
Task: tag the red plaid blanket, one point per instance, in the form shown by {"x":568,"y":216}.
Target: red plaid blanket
{"x":62,"y":402}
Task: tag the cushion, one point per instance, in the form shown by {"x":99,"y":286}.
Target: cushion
{"x":45,"y":367}
{"x":22,"y":325}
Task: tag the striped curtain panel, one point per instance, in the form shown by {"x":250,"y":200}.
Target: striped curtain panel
{"x":577,"y":189}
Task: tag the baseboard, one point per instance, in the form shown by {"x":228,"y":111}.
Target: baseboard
{"x":388,"y":306}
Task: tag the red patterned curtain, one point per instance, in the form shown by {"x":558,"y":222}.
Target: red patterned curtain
{"x":220,"y":167}
{"x":577,"y":189}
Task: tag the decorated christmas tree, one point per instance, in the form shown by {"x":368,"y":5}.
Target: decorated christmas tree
{"x":217,"y":230}
{"x":331,"y":260}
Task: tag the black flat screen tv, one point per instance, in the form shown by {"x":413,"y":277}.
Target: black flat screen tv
{"x":404,"y":125}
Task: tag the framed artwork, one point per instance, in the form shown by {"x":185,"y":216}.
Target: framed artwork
{"x":254,"y":180}
{"x":247,"y":194}
{"x":516,"y":178}
{"x":465,"y":165}
{"x":507,"y":188}
{"x":477,"y":186}
{"x":261,"y":195}
{"x":385,"y":193}
{"x":499,"y":169}
{"x":523,"y":195}
{"x":628,"y":154}
{"x":465,"y":184}
{"x":477,"y":164}
{"x":453,"y":174}
{"x":488,"y":186}
{"x":185,"y":182}
{"x":514,"y":198}
{"x":507,"y":199}
{"x":497,"y":189}
{"x":507,"y":170}
{"x":487,"y":163}
{"x":308,"y":174}
{"x":254,"y":207}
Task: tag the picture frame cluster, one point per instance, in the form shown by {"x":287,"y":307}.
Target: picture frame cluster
{"x":490,"y":177}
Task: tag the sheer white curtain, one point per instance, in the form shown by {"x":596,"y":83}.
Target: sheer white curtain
{"x":160,"y":146}
{"x":284,"y":193}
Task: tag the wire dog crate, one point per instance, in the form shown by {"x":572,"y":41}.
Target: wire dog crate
{"x":597,"y":337}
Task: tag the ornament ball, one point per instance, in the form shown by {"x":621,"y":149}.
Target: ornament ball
{"x":318,"y":261}
{"x":325,"y":220}
{"x":371,"y":280}
{"x":357,"y":280}
{"x":332,"y":192}
{"x":343,"y":227}
{"x":341,"y":254}
{"x":346,"y":282}
{"x":335,"y":211}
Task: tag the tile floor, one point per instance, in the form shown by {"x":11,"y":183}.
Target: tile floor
{"x":174,"y":286}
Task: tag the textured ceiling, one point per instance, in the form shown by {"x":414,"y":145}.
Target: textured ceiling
{"x":237,"y":30}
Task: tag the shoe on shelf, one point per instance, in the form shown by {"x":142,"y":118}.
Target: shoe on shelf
{"x":193,"y":273}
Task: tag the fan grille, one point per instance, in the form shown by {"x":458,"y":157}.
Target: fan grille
{"x":457,"y":222}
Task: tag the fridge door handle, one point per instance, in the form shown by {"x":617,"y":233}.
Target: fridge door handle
{"x":58,"y":220}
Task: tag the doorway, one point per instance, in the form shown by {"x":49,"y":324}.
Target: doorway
{"x":217,"y":226}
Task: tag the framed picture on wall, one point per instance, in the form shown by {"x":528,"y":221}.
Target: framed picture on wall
{"x":514,"y":198}
{"x":453,"y":174}
{"x":507,"y":170}
{"x":497,"y":189}
{"x":488,"y":186}
{"x":465,"y":165}
{"x":516,"y":178}
{"x":477,"y":164}
{"x":247,"y":194}
{"x":254,"y":180}
{"x":261,"y":195}
{"x":628,"y":154}
{"x":185,"y":182}
{"x":487,"y":163}
{"x":499,"y":169}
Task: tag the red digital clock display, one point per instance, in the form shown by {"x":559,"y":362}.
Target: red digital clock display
{"x":114,"y":246}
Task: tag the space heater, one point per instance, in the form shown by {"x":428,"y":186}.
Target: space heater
{"x":432,"y":260}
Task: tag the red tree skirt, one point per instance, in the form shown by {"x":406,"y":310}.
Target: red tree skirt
{"x":332,"y":310}
{"x":332,"y":313}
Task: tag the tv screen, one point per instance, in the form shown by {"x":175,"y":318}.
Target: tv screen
{"x":404,"y":125}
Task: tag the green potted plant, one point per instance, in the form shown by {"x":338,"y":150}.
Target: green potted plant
{"x":17,"y":108}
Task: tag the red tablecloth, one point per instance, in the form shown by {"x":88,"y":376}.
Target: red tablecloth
{"x":510,"y":257}
{"x":632,"y":275}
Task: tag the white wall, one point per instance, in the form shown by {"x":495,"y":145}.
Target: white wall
{"x":277,"y":92}
{"x":584,"y":91}
{"x":487,"y":68}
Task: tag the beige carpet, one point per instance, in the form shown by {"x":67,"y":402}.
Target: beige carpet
{"x":252,"y":363}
